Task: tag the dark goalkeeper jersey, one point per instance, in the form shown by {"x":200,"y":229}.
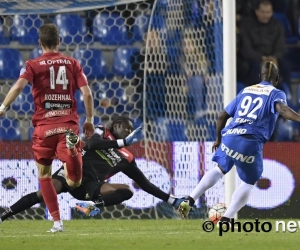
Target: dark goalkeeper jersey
{"x":102,"y":159}
{"x":100,"y":164}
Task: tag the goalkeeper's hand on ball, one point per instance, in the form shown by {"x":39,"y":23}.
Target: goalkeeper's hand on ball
{"x":135,"y":136}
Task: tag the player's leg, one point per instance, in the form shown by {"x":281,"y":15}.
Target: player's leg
{"x":240,"y":198}
{"x":209,"y":179}
{"x":22,"y":204}
{"x":106,"y":195}
{"x":44,"y":151}
{"x":113,"y":194}
{"x":49,"y":194}
{"x":69,"y":152}
{"x":242,"y":194}
{"x":28,"y":201}
{"x":249,"y":172}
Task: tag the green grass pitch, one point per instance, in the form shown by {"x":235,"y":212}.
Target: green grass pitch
{"x":135,"y":234}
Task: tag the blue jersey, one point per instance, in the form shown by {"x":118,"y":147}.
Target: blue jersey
{"x":253,"y":111}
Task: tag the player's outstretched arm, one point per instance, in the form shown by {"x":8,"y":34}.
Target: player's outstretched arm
{"x":88,"y":126}
{"x":12,"y":94}
{"x":96,"y":142}
{"x":286,"y":112}
{"x":134,"y":173}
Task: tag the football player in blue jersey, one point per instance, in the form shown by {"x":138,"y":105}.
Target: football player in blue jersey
{"x":104,"y":155}
{"x":254,"y":111}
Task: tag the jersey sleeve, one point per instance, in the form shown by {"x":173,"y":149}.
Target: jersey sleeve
{"x":97,"y":142}
{"x":99,"y":130}
{"x":279,"y":97}
{"x":26,"y":72}
{"x":80,"y":76}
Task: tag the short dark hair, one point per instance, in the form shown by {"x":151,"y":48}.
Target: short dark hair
{"x":263,"y":2}
{"x":269,"y":72}
{"x":49,"y":35}
{"x":119,"y":120}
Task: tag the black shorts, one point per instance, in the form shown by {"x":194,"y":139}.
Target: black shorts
{"x":88,"y":190}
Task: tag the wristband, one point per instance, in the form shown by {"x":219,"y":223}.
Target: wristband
{"x":89,"y":119}
{"x":2,"y":108}
{"x":121,"y":143}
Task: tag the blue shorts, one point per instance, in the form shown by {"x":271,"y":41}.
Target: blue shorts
{"x":246,"y":154}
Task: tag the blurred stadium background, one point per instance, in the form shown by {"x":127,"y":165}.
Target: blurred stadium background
{"x":159,"y":62}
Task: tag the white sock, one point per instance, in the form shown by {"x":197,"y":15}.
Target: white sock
{"x":58,"y":223}
{"x":208,"y":180}
{"x":239,"y":199}
{"x":91,"y":203}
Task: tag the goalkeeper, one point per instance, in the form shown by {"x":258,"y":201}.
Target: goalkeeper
{"x":103,"y":156}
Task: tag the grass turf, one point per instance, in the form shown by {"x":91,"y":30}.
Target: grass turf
{"x":136,"y":234}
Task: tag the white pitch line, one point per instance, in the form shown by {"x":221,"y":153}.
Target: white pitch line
{"x":82,"y":234}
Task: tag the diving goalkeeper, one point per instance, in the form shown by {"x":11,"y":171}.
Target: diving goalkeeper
{"x":103,"y":156}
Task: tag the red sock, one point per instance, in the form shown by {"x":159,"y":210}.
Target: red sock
{"x":74,"y":167}
{"x":50,"y":197}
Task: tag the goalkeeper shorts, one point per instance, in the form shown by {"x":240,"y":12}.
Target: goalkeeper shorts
{"x":88,"y":190}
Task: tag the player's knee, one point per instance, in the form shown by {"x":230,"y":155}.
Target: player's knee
{"x":44,"y":171}
{"x":73,"y":184}
{"x":129,"y":193}
{"x":130,"y":190}
{"x":126,"y":193}
{"x":73,"y":179}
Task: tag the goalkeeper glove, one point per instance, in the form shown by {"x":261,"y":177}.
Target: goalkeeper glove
{"x":135,"y":136}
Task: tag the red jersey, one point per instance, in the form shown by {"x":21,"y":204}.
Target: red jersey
{"x":55,"y":78}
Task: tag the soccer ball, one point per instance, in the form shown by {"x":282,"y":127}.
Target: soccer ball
{"x":216,"y":212}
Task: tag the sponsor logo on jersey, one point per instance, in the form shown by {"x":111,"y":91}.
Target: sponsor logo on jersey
{"x":58,"y":113}
{"x":243,"y":120}
{"x":235,"y":131}
{"x":57,"y":97}
{"x":236,"y":155}
{"x":57,"y":106}
{"x":55,"y":131}
{"x":110,"y":156}
{"x":58,"y":61}
{"x":259,"y":89}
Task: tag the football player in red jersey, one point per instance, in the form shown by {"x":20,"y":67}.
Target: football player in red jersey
{"x":55,"y":78}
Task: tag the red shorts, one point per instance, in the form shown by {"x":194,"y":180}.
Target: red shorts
{"x":49,"y":142}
